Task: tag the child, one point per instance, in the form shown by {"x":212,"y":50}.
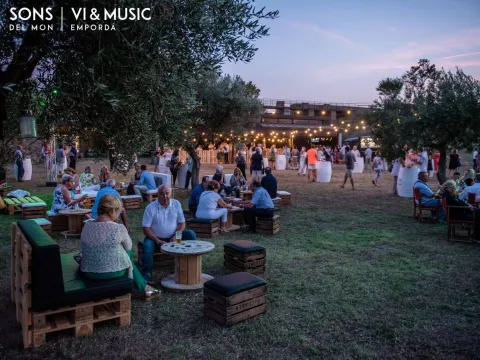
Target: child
{"x":378,"y":166}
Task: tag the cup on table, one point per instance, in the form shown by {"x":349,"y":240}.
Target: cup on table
{"x":178,"y":237}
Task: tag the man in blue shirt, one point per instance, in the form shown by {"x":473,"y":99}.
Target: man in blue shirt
{"x":109,"y":189}
{"x":261,"y":205}
{"x":147,"y":182}
{"x":269,"y":183}
{"x":427,"y":195}
{"x":196,"y":192}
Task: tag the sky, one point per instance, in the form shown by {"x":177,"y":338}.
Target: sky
{"x":338,"y":51}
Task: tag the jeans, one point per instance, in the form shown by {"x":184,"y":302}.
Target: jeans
{"x":139,"y":189}
{"x":249,"y":215}
{"x":378,"y":174}
{"x":20,"y":169}
{"x":435,"y":203}
{"x":150,"y":247}
{"x":187,"y":179}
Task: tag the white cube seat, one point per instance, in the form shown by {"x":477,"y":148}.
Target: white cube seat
{"x":131,"y":196}
{"x":42,"y":222}
{"x":283,"y":193}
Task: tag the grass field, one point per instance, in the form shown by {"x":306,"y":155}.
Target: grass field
{"x":350,"y":276}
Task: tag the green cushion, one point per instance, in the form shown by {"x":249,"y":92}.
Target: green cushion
{"x":201,"y":221}
{"x":229,"y":285}
{"x":35,"y":234}
{"x":34,"y":204}
{"x":244,"y":246}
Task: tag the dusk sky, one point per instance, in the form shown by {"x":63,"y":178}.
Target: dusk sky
{"x":337,"y":51}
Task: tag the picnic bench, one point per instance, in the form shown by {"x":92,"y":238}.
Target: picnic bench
{"x":14,"y":205}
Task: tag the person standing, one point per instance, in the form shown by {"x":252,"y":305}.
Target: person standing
{"x":286,"y":152}
{"x":189,"y":171}
{"x":350,"y":160}
{"x":475,"y":154}
{"x":378,"y":166}
{"x":368,"y":156}
{"x":18,"y":157}
{"x":225,"y":153}
{"x":395,"y":171}
{"x":175,"y":165}
{"x":454,"y":162}
{"x":59,"y":155}
{"x":355,"y":151}
{"x":73,"y":157}
{"x":302,"y":162}
{"x":257,"y":164}
{"x":240,"y":161}
{"x":156,"y":161}
{"x":272,"y":156}
{"x":312,"y":157}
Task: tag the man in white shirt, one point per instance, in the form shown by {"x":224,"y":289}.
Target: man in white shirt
{"x":356,"y":152}
{"x":161,"y":220}
{"x":423,"y":160}
{"x":473,"y":189}
{"x":368,"y":156}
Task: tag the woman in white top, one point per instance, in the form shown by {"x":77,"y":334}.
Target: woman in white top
{"x":207,"y":205}
{"x":302,"y":162}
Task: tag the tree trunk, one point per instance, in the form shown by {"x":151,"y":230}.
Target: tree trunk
{"x":442,"y":167}
{"x":195,"y":167}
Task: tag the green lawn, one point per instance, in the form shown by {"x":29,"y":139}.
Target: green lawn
{"x":350,"y":275}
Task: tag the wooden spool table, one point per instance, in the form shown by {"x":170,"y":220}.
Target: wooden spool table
{"x":188,"y":265}
{"x":229,"y":225}
{"x":75,"y":221}
{"x":246,"y":195}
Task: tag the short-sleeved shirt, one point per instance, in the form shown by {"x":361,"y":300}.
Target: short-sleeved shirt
{"x":312,"y":157}
{"x":257,"y":161}
{"x":208,"y":201}
{"x":261,"y":199}
{"x":147,"y":179}
{"x":163,"y":221}
{"x":87,"y":179}
{"x":59,"y":154}
{"x":195,"y":195}
{"x":350,"y":160}
{"x":105,"y":191}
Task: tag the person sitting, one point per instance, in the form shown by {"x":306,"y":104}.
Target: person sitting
{"x":219,"y":177}
{"x":109,"y":189}
{"x":161,"y":220}
{"x":147,"y":182}
{"x":103,"y":175}
{"x":88,"y":181}
{"x":74,"y":175}
{"x":237,"y":181}
{"x":269,"y":183}
{"x":196,"y":192}
{"x":62,"y":199}
{"x":209,"y":201}
{"x":448,"y":192}
{"x":261,"y":205}
{"x":472,"y":189}
{"x":468,"y":179}
{"x":135,"y":178}
{"x":456,"y":178}
{"x":107,"y":248}
{"x":427,"y":195}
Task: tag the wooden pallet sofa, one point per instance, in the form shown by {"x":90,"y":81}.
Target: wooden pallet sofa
{"x":14,"y":205}
{"x":50,"y":295}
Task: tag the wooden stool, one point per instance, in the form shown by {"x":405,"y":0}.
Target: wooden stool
{"x":44,"y":224}
{"x":132,"y":201}
{"x":59,"y":222}
{"x":34,"y":210}
{"x":188,"y":214}
{"x":152,"y":195}
{"x":285,"y":196}
{"x":233,"y":298}
{"x":204,"y":228}
{"x":244,"y":255}
{"x":268,"y":226}
{"x":159,"y":259}
{"x":277,"y":202}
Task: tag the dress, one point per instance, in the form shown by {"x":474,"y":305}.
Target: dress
{"x":453,"y":164}
{"x":59,"y":203}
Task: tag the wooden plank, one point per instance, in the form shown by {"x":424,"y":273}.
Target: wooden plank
{"x":8,"y":201}
{"x":183,"y":275}
{"x":245,"y":295}
{"x":258,"y":270}
{"x":245,"y":264}
{"x":13,"y":259}
{"x":194,"y":269}
{"x":223,"y":320}
{"x":23,"y":200}
{"x":234,"y":309}
{"x":254,"y":255}
{"x":16,"y":201}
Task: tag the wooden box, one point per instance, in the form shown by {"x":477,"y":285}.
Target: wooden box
{"x":231,"y":309}
{"x":159,"y":259}
{"x":243,"y":255}
{"x":33,"y":210}
{"x":152,"y":195}
{"x":132,"y":202}
{"x":59,"y":222}
{"x":286,"y":197}
{"x":45,"y":225}
{"x":268,"y":226}
{"x":277,"y":202}
{"x":188,"y":214}
{"x":205,"y":229}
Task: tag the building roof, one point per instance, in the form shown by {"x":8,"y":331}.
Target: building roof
{"x":295,"y":126}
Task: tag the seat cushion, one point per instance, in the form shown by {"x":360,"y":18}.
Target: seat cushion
{"x":276,"y":199}
{"x":201,"y":221}
{"x":131,"y":197}
{"x":79,"y":289}
{"x":42,"y":222}
{"x":51,"y":213}
{"x":244,"y":246}
{"x":26,"y":205}
{"x":283,"y":193}
{"x":155,"y":191}
{"x":229,"y":285}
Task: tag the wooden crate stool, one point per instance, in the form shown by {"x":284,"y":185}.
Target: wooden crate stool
{"x":44,"y":224}
{"x":268,"y":226}
{"x":59,"y":222}
{"x":159,"y":259}
{"x":34,"y":210}
{"x":244,"y":255}
{"x":204,"y":228}
{"x":152,"y":195}
{"x":285,"y":196}
{"x":233,"y":298}
{"x":132,"y":202}
{"x":188,"y":214}
{"x":277,"y":203}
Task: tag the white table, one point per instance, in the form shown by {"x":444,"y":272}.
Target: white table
{"x":188,"y":265}
{"x":280,"y":162}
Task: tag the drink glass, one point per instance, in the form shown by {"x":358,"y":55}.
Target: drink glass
{"x":178,"y":237}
